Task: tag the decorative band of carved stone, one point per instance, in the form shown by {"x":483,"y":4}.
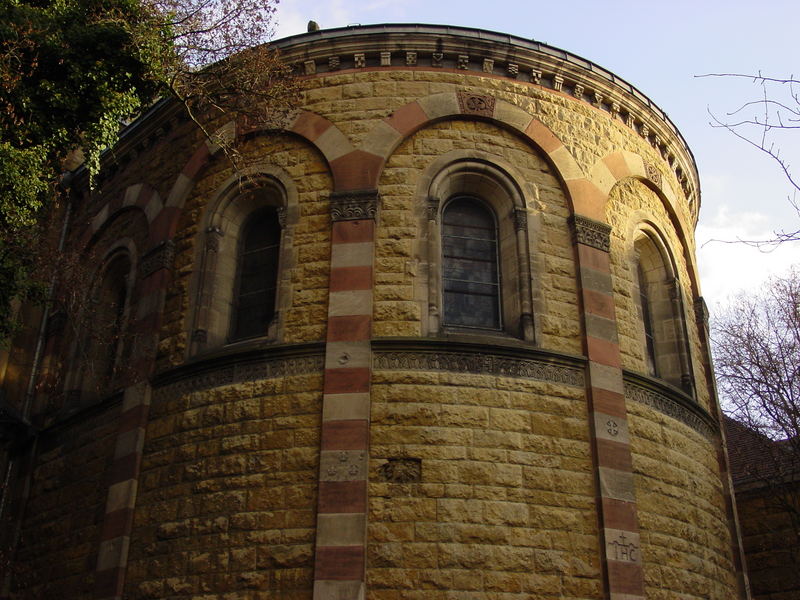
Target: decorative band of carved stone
{"x":160,"y":257}
{"x":591,"y":233}
{"x":478,"y":363}
{"x":684,"y":411}
{"x":355,"y":205}
{"x":195,"y":380}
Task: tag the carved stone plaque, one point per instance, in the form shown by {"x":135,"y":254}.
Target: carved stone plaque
{"x":475,"y":104}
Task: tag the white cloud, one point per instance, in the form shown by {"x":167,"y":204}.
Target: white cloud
{"x":728,"y":267}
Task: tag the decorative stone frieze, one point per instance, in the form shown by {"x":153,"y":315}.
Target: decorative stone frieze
{"x":334,"y":63}
{"x":513,"y":70}
{"x":401,"y":470}
{"x":411,"y":59}
{"x":478,"y":363}
{"x":309,"y":67}
{"x":590,"y":232}
{"x":437,"y":59}
{"x":432,"y":209}
{"x":520,"y":219}
{"x":536,"y":76}
{"x":674,"y":405}
{"x":463,"y":61}
{"x":386,"y":59}
{"x":488,"y":65}
{"x":558,"y":82}
{"x":577,"y":91}
{"x":359,"y":60}
{"x":354,"y":205}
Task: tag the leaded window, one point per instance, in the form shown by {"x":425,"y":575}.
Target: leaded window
{"x":647,"y":320}
{"x":471,"y":276}
{"x":257,"y":275}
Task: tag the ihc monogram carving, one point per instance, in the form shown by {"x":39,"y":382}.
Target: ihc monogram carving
{"x":477,"y":363}
{"x":653,"y":174}
{"x":591,"y":233}
{"x":475,"y":104}
{"x":160,"y":257}
{"x":624,"y":550}
{"x":356,"y":205}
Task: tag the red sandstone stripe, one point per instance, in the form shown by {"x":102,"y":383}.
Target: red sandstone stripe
{"x":598,"y":303}
{"x":199,"y":158}
{"x":408,"y":118}
{"x":593,"y":258}
{"x":164,"y":225}
{"x":619,"y":514}
{"x":543,"y":137}
{"x":124,"y":468}
{"x":351,"y":278}
{"x":351,"y":232}
{"x":345,"y":435}
{"x":614,"y":455}
{"x":356,"y":170}
{"x":608,"y":402}
{"x":591,"y":199}
{"x":625,"y":578}
{"x":342,"y":496}
{"x":347,"y":380}
{"x":132,"y":418}
{"x":311,"y":126}
{"x":603,"y":351}
{"x":115,"y":524}
{"x":355,"y":328}
{"x":339,"y":563}
{"x":109,"y":583}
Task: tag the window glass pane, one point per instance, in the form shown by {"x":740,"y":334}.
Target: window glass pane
{"x":469,"y":266}
{"x":254,"y":301}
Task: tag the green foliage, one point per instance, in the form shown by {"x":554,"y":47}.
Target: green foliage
{"x":70,"y":72}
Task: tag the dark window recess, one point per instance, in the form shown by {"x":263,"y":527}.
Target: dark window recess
{"x":257,"y":275}
{"x":647,"y":319}
{"x":471,"y":279}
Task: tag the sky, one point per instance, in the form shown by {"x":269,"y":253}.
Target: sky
{"x":661,"y":48}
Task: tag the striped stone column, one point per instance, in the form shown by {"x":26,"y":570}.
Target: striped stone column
{"x":112,"y":556}
{"x":616,"y":502}
{"x":339,"y":569}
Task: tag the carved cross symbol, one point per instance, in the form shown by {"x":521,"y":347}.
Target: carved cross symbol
{"x":613,"y":428}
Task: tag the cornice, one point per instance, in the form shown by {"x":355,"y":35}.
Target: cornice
{"x":482,"y":52}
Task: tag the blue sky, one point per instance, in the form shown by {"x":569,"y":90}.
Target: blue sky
{"x":660,"y":48}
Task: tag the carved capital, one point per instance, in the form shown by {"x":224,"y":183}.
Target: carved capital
{"x":213,"y":237}
{"x":475,"y":104}
{"x":701,"y":312}
{"x":432,"y":208}
{"x":160,"y":257}
{"x":591,"y":233}
{"x":520,"y":219}
{"x":558,"y":82}
{"x":355,"y":205}
{"x":281,"y":210}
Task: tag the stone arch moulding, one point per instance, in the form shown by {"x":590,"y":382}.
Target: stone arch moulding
{"x":496,"y":183}
{"x":316,"y":130}
{"x":137,"y":196}
{"x":216,"y":251}
{"x":621,"y":165}
{"x":648,"y":249}
{"x":583,"y":196}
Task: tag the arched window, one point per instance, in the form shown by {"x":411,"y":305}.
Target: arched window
{"x":257,"y":275}
{"x":647,"y":320}
{"x":663,"y":327}
{"x":470,"y":274}
{"x":104,"y":326}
